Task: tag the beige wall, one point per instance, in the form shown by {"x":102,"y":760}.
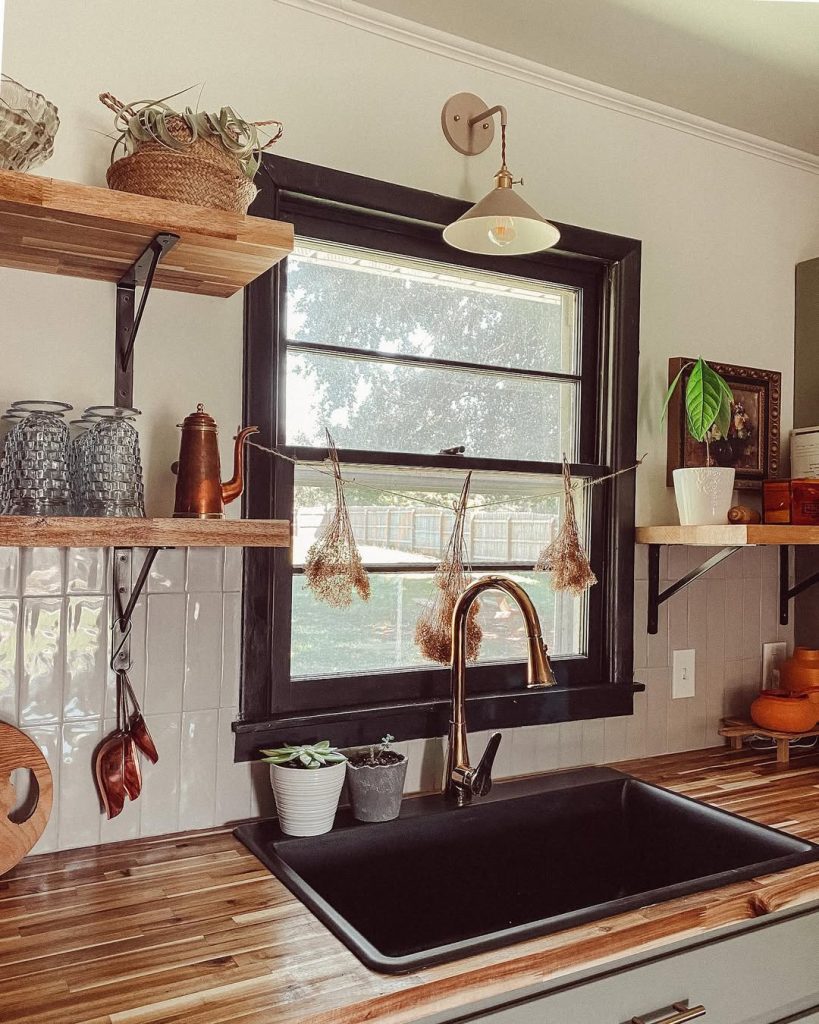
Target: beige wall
{"x":722,"y":227}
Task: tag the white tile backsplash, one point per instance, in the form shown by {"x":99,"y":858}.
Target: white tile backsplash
{"x":165,"y":653}
{"x":55,"y":682}
{"x":203,"y":652}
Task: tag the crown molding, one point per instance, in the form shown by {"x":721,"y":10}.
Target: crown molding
{"x":487,"y":58}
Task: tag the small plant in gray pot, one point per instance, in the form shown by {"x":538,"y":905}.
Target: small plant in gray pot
{"x":307,"y":782}
{"x":375,"y":781}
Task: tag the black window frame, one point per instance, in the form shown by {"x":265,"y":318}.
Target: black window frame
{"x":341,"y":207}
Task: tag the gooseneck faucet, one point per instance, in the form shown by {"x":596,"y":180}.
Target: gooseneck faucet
{"x":462,"y":781}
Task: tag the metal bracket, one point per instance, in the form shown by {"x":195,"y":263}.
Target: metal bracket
{"x":126,"y":596}
{"x":786,"y":591}
{"x":129,"y":315}
{"x":656,"y":597}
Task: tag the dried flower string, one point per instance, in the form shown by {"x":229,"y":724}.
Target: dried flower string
{"x":576,"y":485}
{"x":564,"y":557}
{"x":333,"y":568}
{"x":433,"y":630}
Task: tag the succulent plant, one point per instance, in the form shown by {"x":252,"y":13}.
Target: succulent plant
{"x":307,"y":755}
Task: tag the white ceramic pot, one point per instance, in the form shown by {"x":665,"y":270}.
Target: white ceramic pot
{"x":307,"y":798}
{"x":703,"y":495}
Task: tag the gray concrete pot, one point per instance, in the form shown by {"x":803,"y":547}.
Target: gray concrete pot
{"x":376,"y":790}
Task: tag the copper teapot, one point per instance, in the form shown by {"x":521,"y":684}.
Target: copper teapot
{"x":200,"y":493}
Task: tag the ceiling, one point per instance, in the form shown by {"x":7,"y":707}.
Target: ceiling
{"x":750,"y":64}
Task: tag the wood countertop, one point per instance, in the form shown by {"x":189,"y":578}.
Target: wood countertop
{"x":194,"y":929}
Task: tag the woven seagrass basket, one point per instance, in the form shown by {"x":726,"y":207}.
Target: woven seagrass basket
{"x":204,"y":173}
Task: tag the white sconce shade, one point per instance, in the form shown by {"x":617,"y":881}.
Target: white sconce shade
{"x":501,"y":224}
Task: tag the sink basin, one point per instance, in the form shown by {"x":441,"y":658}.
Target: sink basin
{"x":440,"y":883}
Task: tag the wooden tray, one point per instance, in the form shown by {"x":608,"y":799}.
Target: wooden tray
{"x":736,"y":729}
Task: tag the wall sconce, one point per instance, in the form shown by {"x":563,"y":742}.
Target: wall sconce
{"x":501,"y":224}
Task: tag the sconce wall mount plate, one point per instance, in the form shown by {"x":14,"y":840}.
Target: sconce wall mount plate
{"x":456,"y":115}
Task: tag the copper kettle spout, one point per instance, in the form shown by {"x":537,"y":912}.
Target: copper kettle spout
{"x":232,"y":488}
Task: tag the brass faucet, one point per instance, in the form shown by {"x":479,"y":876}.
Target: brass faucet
{"x":462,"y":781}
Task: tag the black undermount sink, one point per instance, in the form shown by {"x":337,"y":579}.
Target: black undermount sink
{"x":533,"y":857}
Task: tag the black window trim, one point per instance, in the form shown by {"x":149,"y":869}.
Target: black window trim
{"x":381,"y":215}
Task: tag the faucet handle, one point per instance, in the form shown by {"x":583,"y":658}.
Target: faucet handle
{"x":481,"y":781}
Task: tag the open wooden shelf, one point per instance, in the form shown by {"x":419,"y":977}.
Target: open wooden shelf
{"x":730,"y":535}
{"x":61,"y":227}
{"x":86,"y":532}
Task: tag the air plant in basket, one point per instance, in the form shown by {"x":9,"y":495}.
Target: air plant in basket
{"x":307,"y":781}
{"x":704,"y":492}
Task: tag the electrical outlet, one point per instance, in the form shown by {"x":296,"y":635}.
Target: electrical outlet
{"x":682,"y":680}
{"x":772,"y":657}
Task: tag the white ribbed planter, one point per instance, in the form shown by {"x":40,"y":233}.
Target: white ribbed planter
{"x":307,"y":798}
{"x":703,"y":495}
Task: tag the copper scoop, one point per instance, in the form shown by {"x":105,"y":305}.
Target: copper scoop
{"x":109,"y":772}
{"x":136,"y":726}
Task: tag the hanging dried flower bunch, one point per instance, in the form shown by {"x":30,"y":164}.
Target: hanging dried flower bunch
{"x":433,"y":631}
{"x":565,"y":558}
{"x":333,"y":567}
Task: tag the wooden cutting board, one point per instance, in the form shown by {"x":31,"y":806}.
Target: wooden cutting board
{"x":16,"y":839}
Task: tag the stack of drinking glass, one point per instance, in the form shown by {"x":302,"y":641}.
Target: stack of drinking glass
{"x":45,"y":473}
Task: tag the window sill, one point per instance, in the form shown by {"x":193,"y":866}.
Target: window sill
{"x":428,"y":718}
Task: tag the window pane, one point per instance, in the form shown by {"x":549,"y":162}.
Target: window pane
{"x":378,"y":635}
{"x":404,"y":517}
{"x":520,"y":513}
{"x":387,"y":407}
{"x":377,"y":302}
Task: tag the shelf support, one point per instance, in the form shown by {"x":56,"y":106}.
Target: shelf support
{"x":786,"y":591}
{"x":126,"y":595}
{"x":129,"y":315}
{"x":656,"y":597}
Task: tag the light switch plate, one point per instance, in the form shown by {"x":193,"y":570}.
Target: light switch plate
{"x":683,"y":683}
{"x":772,"y":657}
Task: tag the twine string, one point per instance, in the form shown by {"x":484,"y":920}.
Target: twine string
{"x":339,"y":480}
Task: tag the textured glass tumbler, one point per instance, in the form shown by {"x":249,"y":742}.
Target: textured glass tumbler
{"x":107,"y":464}
{"x":36,"y":477}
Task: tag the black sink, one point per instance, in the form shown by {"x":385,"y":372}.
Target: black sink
{"x":536,"y":856}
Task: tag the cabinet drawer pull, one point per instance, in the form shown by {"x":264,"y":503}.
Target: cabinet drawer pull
{"x":683,"y":1012}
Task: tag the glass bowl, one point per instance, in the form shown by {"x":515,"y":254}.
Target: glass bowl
{"x":28,"y":124}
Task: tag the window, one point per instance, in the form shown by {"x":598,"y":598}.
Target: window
{"x":405,"y":348}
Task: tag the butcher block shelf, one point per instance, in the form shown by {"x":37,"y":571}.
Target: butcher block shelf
{"x":733,"y":535}
{"x":87,"y":532}
{"x":61,"y":227}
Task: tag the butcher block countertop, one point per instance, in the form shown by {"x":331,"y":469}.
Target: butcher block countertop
{"x":192,"y":928}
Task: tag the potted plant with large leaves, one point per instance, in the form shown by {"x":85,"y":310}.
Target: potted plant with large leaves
{"x":307,"y":782}
{"x":703,"y":493}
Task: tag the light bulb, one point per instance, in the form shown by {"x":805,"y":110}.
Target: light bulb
{"x":502,"y":232}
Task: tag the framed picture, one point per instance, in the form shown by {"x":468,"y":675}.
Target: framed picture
{"x":752,"y":445}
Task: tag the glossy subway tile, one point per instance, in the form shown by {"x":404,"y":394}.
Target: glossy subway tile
{"x":41,"y":680}
{"x":79,"y":802}
{"x":203,"y":652}
{"x":205,"y":570}
{"x":9,"y":658}
{"x":42,"y":571}
{"x":86,"y":665}
{"x":197,"y":769}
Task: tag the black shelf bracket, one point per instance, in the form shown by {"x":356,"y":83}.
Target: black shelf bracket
{"x":126,"y":595}
{"x":786,"y":591}
{"x":656,"y":597}
{"x":129,"y":315}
